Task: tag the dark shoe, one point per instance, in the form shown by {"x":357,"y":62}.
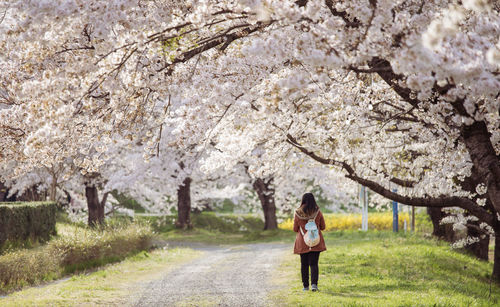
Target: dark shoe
{"x":314,"y":288}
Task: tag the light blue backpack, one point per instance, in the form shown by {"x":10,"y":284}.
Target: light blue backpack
{"x":311,"y":236}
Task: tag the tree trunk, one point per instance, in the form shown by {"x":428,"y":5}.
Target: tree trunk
{"x":483,"y":156}
{"x":4,"y":191}
{"x":266,"y":196}
{"x":184,"y":205}
{"x":479,"y":249}
{"x":496,"y":257}
{"x":53,"y":190}
{"x":436,"y":215}
{"x":444,"y":232}
{"x":95,"y":207}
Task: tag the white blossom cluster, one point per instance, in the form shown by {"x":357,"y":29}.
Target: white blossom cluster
{"x":148,"y":93}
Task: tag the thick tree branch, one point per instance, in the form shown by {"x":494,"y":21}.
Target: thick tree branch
{"x":224,"y":40}
{"x":478,"y":229}
{"x":384,"y":69}
{"x":440,"y":202}
{"x":18,"y":132}
{"x":355,"y":23}
{"x":291,"y":140}
{"x":403,"y":183}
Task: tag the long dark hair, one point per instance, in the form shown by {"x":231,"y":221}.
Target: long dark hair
{"x":308,"y":204}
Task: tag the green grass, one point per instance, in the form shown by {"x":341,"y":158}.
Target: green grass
{"x":220,"y":238}
{"x":386,"y":269}
{"x":217,"y":228}
{"x":375,"y":268}
{"x":117,"y":284}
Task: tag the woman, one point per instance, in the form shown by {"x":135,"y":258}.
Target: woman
{"x":309,"y":256}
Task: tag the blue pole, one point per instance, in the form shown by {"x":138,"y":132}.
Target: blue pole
{"x":395,"y":217}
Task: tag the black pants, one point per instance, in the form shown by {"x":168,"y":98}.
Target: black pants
{"x":309,"y":260}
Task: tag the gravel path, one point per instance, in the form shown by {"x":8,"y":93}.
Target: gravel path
{"x":222,"y":276}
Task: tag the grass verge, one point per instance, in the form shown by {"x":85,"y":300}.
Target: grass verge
{"x":216,"y":228}
{"x":75,"y":248}
{"x":116,"y":284}
{"x":221,"y":238}
{"x":379,"y":268}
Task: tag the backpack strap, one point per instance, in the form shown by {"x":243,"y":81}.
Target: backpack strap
{"x":314,"y":218}
{"x":306,"y":218}
{"x":315,"y":215}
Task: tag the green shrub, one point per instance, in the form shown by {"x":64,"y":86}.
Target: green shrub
{"x":211,"y":221}
{"x":27,"y":221}
{"x":159,"y":223}
{"x":227,"y":222}
{"x":75,"y":248}
{"x":128,"y":202}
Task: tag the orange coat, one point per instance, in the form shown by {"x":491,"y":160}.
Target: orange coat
{"x":300,"y":220}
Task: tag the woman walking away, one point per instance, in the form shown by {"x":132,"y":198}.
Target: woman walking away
{"x":308,"y":223}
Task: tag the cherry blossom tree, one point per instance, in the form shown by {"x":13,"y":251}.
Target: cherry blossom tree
{"x":427,"y":97}
{"x":391,"y":93}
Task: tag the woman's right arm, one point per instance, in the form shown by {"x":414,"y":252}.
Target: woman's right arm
{"x":322,"y":225}
{"x":295,"y":223}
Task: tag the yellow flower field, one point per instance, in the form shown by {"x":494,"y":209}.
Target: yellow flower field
{"x":344,"y":221}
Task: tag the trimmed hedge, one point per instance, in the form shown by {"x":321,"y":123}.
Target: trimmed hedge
{"x":21,"y":221}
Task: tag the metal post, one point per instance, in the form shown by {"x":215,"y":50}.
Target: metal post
{"x":395,"y":214}
{"x":412,"y":218}
{"x":364,"y":213}
{"x":366,"y":207}
{"x":360,"y":203}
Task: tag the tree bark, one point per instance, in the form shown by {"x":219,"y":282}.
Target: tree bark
{"x":95,"y":207}
{"x":477,"y":140}
{"x":184,"y":205}
{"x":444,"y":232}
{"x":265,"y":191}
{"x":4,"y":191}
{"x":53,"y":190}
{"x":435,"y":215}
{"x":479,"y":249}
{"x":496,"y":257}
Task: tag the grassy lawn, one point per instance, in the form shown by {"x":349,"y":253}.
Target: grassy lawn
{"x":216,"y":228}
{"x":384,"y":269}
{"x":375,"y":268}
{"x":221,"y":238}
{"x":117,"y":284}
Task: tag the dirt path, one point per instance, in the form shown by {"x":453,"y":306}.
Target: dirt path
{"x":222,"y":276}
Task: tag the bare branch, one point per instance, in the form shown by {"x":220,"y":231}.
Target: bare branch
{"x":345,"y":17}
